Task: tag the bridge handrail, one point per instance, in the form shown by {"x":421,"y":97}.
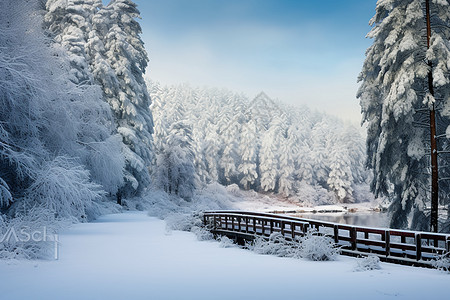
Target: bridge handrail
{"x":400,"y":246}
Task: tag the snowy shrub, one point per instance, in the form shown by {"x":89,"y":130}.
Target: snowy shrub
{"x":202,"y":233}
{"x":189,"y":222}
{"x":64,"y":188}
{"x":158,"y":203}
{"x":276,"y":245}
{"x":226,"y":242}
{"x":182,"y":222}
{"x":30,"y":235}
{"x":314,"y":246}
{"x":442,"y":262}
{"x":234,"y":189}
{"x":367,"y":263}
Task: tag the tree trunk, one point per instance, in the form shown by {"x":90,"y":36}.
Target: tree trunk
{"x":434,"y":160}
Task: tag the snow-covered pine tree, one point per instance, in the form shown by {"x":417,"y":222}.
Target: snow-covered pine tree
{"x":340,"y":177}
{"x":269,"y":155}
{"x":248,"y":150}
{"x":288,"y":151}
{"x":397,"y":101}
{"x":321,"y":133}
{"x":175,"y":171}
{"x":125,"y":53}
{"x":68,"y":23}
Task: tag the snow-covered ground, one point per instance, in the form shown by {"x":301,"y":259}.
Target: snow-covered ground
{"x":133,"y":256}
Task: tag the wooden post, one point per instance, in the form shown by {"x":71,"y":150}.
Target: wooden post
{"x":387,"y":242}
{"x":353,"y":237}
{"x":418,"y":246}
{"x":336,"y":233}
{"x":254,"y":225}
{"x":262,"y":227}
{"x":433,"y":144}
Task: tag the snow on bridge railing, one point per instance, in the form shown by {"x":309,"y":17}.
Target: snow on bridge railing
{"x":397,"y":246}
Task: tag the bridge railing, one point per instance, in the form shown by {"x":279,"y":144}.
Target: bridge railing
{"x":397,"y":246}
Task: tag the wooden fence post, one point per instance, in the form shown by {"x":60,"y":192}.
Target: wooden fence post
{"x":418,"y":246}
{"x":388,"y":242}
{"x":262,"y":227}
{"x":336,"y":233}
{"x":353,"y":237}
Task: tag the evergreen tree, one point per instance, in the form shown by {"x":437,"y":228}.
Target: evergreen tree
{"x":248,"y":152}
{"x":288,"y":150}
{"x":69,"y":22}
{"x":269,"y":155}
{"x":125,"y":53}
{"x":402,"y":88}
{"x":57,"y":150}
{"x":175,"y":171}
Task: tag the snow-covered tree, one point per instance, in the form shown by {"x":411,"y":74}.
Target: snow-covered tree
{"x":58,"y":151}
{"x":403,"y":87}
{"x":69,"y":22}
{"x":269,"y":155}
{"x":249,"y":154}
{"x":125,"y":53}
{"x":340,"y":177}
{"x":237,"y":141}
{"x":175,"y":171}
{"x":288,"y":151}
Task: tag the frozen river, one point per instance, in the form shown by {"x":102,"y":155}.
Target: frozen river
{"x":368,"y":219}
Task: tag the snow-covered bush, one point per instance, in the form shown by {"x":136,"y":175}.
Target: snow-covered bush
{"x":314,"y":246}
{"x":189,"y":222}
{"x":367,"y":263}
{"x":225,"y":242}
{"x":442,"y":262}
{"x":30,"y":235}
{"x":64,"y":188}
{"x":276,"y":245}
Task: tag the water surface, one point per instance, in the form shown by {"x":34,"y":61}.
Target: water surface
{"x":367,"y":219}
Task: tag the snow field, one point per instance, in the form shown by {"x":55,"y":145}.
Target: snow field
{"x":133,"y":256}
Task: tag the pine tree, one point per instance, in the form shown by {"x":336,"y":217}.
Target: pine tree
{"x":175,"y":165}
{"x":269,"y":155}
{"x":248,"y":152}
{"x":68,"y":22}
{"x":288,"y":151}
{"x":402,"y":92}
{"x":130,"y":102}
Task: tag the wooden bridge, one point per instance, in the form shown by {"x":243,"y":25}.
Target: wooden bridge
{"x":396,"y":246}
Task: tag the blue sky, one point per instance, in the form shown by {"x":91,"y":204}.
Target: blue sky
{"x":300,"y":52}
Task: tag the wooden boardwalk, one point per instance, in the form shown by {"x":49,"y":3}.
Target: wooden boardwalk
{"x":396,"y":246}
